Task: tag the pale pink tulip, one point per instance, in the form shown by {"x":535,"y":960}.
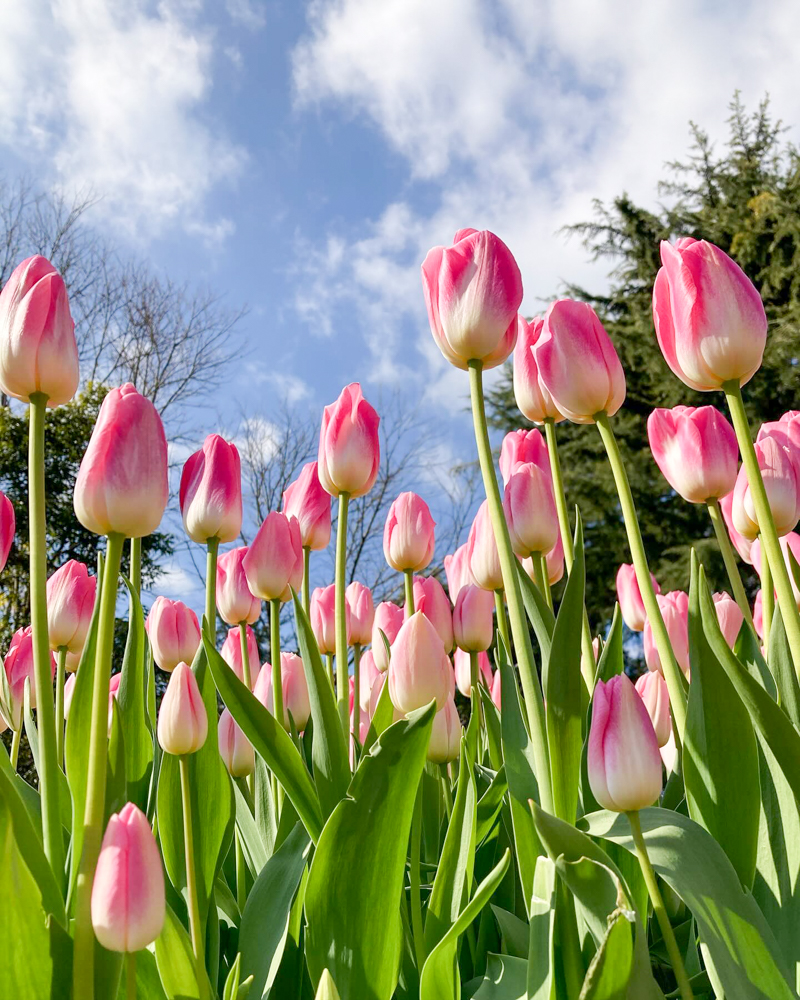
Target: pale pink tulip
{"x":420,"y":671}
{"x":182,"y":718}
{"x":293,"y":686}
{"x":362,"y":613}
{"x":235,"y":602}
{"x":463,"y":671}
{"x":457,"y":571}
{"x":675,"y":612}
{"x":349,"y":445}
{"x":530,"y":510}
{"x":758,"y":614}
{"x":388,"y":620}
{"x":273,"y":563}
{"x":520,"y":448}
{"x":652,"y":689}
{"x":231,"y":653}
{"x":696,"y":450}
{"x":630,"y":598}
{"x":8,"y":525}
{"x":211,"y":492}
{"x":730,"y":617}
{"x":234,"y":747}
{"x":367,"y":675}
{"x":174,"y":633}
{"x":306,"y":500}
{"x":322,"y":612}
{"x":445,"y":740}
{"x":740,"y":543}
{"x":497,"y":690}
{"x":408,"y":535}
{"x":484,"y":560}
{"x":781,"y":475}
{"x":431,"y":600}
{"x":70,"y":602}
{"x":19,"y":667}
{"x":473,"y":619}
{"x":532,"y":397}
{"x":788,"y":542}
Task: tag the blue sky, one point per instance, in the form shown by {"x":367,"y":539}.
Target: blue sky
{"x":302,"y":157}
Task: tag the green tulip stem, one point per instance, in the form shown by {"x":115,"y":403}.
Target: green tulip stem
{"x":356,"y":695}
{"x":672,"y":672}
{"x":306,"y":580}
{"x":767,"y":597}
{"x":658,"y":907}
{"x":195,"y":927}
{"x":447,"y":795}
{"x":414,"y":881}
{"x":538,"y":575}
{"x":130,"y":976}
{"x":275,"y":656}
{"x":729,"y":558}
{"x":61,"y":668}
{"x":14,"y":755}
{"x":548,"y":594}
{"x":502,"y":620}
{"x":212,"y":546}
{"x":136,"y":565}
{"x":531,"y":687}
{"x":342,"y":687}
{"x":408,"y":584}
{"x":241,"y":884}
{"x":329,"y":658}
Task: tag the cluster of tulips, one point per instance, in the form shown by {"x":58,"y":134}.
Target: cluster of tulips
{"x":335,"y":831}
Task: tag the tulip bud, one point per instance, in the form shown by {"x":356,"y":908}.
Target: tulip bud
{"x":38,"y":352}
{"x":473,"y":290}
{"x":322,"y":612}
{"x":19,"y":666}
{"x":730,"y":617}
{"x":520,"y":448}
{"x":367,"y":675}
{"x":362,"y":613}
{"x":473,"y":619}
{"x":497,"y":690}
{"x":69,"y":690}
{"x":675,"y":612}
{"x":652,"y":689}
{"x":555,"y":564}
{"x":457,"y":571}
{"x":463,"y":671}
{"x":709,"y":318}
{"x":235,"y":603}
{"x":740,"y":543}
{"x":445,"y":740}
{"x":780,"y":471}
{"x":530,"y":509}
{"x":531,"y":394}
{"x":758,"y":614}
{"x":8,"y":525}
{"x":211,"y":492}
{"x":349,"y":446}
{"x":231,"y":653}
{"x":70,"y":601}
{"x":174,"y":633}
{"x":273,"y":562}
{"x":306,"y":500}
{"x":484,"y":560}
{"x":623,"y":759}
{"x":630,"y":598}
{"x":388,"y":620}
{"x":128,"y":900}
{"x":122,"y":481}
{"x":408,"y":536}
{"x":420,"y":670}
{"x":182,"y":719}
{"x":577,"y":362}
{"x":431,"y":600}
{"x":234,"y":747}
{"x":294,"y":687}
{"x":696,"y":450}
{"x":788,"y":542}
{"x":113,"y":691}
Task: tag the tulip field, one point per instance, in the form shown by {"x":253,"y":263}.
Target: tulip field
{"x":328,"y":824}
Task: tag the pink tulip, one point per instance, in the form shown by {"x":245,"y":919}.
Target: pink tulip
{"x":273,"y":563}
{"x":740,"y":543}
{"x":38,"y":352}
{"x":113,"y":690}
{"x":235,"y":603}
{"x":630,"y":598}
{"x":730,"y":617}
{"x":234,"y":747}
{"x":128,"y":900}
{"x":758,"y":614}
{"x":709,"y":318}
{"x":322,"y":613}
{"x":431,"y":600}
{"x":497,"y":690}
{"x":457,"y":571}
{"x":623,"y":759}
{"x":789,"y":542}
{"x":231,"y":653}
{"x":473,"y":619}
{"x":306,"y":500}
{"x":174,"y":633}
{"x":182,"y":718}
{"x":349,"y":446}
{"x":70,"y":601}
{"x":420,"y":671}
{"x":463,"y":671}
{"x":652,"y":689}
{"x":781,"y":475}
{"x":367,"y":675}
{"x":408,"y":535}
{"x":445,"y":741}
{"x":473,"y":290}
{"x":388,"y":620}
{"x":294,"y":687}
{"x":577,"y":362}
{"x":531,"y":394}
{"x":520,"y":448}
{"x":696,"y":450}
{"x":211,"y":492}
{"x":484,"y":560}
{"x":8,"y":525}
{"x":555,"y":564}
{"x":69,"y":690}
{"x":675,"y":612}
{"x":122,"y":481}
{"x":362,"y":613}
{"x":19,"y":667}
{"x":530,"y":510}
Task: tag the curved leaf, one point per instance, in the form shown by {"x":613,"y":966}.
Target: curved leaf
{"x":175,"y":961}
{"x":539,"y":613}
{"x":137,"y":737}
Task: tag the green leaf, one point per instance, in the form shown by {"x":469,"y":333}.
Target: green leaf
{"x":148,"y":983}
{"x":491,"y":717}
{"x":490,"y":805}
{"x":232,"y":982}
{"x":539,"y":614}
{"x":253,"y":847}
{"x":327,"y":988}
{"x":541,"y":938}
{"x":175,"y":961}
{"x":513,"y":932}
{"x":610,"y":970}
{"x":612,"y":660}
{"x":138,"y":739}
{"x":597,"y":890}
{"x":505,"y":979}
{"x":782,"y":667}
{"x":381,"y":720}
{"x":353,"y":895}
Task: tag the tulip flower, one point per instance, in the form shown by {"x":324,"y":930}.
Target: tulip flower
{"x":322,"y":615}
{"x":182,"y":718}
{"x":231,"y":653}
{"x":431,"y":600}
{"x":652,"y":689}
{"x":420,"y":671}
{"x":789,"y":542}
{"x":473,"y":619}
{"x":235,"y":602}
{"x":362,"y":613}
{"x":457,"y":571}
{"x":38,"y":352}
{"x":520,"y":448}
{"x":781,"y":475}
{"x":497,"y":692}
{"x":709,"y":318}
{"x":234,"y":747}
{"x":293,"y":687}
{"x":577,"y":362}
{"x":623,"y":760}
{"x":113,"y":691}
{"x":473,"y":290}
{"x":310,"y":503}
{"x":675,"y":612}
{"x":730,"y":617}
{"x":696,"y":450}
{"x":70,"y":601}
{"x":630,"y":598}
{"x":273,"y":563}
{"x":740,"y":543}
{"x":349,"y":446}
{"x":484,"y":560}
{"x":174,"y":633}
{"x":128,"y":899}
{"x":367,"y":677}
{"x":69,"y":690}
{"x":530,"y":510}
{"x":463,"y":671}
{"x":532,"y":397}
{"x":211,"y":492}
{"x":19,"y":666}
{"x":555,"y":564}
{"x":388,"y":620}
{"x":408,"y":536}
{"x":8,"y":525}
{"x":122,"y":483}
{"x":445,"y":739}
{"x":758,"y":614}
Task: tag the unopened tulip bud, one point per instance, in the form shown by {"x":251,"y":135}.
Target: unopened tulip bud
{"x":623,"y":759}
{"x":530,"y":510}
{"x":675,"y":612}
{"x":273,"y":563}
{"x":182,"y":718}
{"x":235,"y":603}
{"x":234,"y":747}
{"x":408,"y":536}
{"x":473,"y":619}
{"x":445,"y":740}
{"x":70,"y":602}
{"x":520,"y":448}
{"x":630,"y":598}
{"x":758,"y":614}
{"x":532,"y":397}
{"x":497,"y":690}
{"x":740,"y":543}
{"x":8,"y":526}
{"x":790,"y":542}
{"x":174,"y":633}
{"x":293,"y":686}
{"x":431,"y":600}
{"x":484,"y":560}
{"x":420,"y":671}
{"x":306,"y":500}
{"x":231,"y":653}
{"x":555,"y":564}
{"x":19,"y":667}
{"x":463,"y":671}
{"x":388,"y":620}
{"x":457,"y":571}
{"x":696,"y":450}
{"x":349,"y":446}
{"x":367,"y":675}
{"x":730,"y":617}
{"x":362,"y":613}
{"x":780,"y":471}
{"x":652,"y":689}
{"x":211,"y":492}
{"x":322,"y":613}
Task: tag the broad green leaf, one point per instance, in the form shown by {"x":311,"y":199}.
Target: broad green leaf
{"x":514,"y":932}
{"x":491,"y":717}
{"x":381,"y":720}
{"x":747,"y":649}
{"x":612,"y":661}
{"x":253,"y":846}
{"x":138,"y":739}
{"x":327,"y":988}
{"x":490,"y":805}
{"x":33,"y":742}
{"x":148,"y":982}
{"x":504,"y":979}
{"x":539,"y":614}
{"x":232,"y":982}
{"x":353,"y":895}
{"x":782,"y":667}
{"x":541,"y":937}
{"x":597,"y":891}
{"x":610,"y":970}
{"x":175,"y":961}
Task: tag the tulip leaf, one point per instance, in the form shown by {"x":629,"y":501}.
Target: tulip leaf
{"x":490,"y":805}
{"x":253,"y":848}
{"x":491,"y":717}
{"x":33,"y":742}
{"x":513,"y":931}
{"x":782,"y":667}
{"x":175,"y":961}
{"x":539,"y":613}
{"x":505,"y":979}
{"x":148,"y":982}
{"x":381,"y":719}
{"x":612,"y":661}
{"x":138,"y":739}
{"x":541,"y":937}
{"x":353,"y":895}
{"x":748,"y":651}
{"x":610,"y":970}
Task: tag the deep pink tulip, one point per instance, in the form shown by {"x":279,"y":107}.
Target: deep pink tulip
{"x":431,"y":600}
{"x":174,"y":633}
{"x":408,"y":535}
{"x":273,"y":563}
{"x":484,"y":560}
{"x":362,"y":613}
{"x":420,"y":670}
{"x":473,"y":290}
{"x":234,"y":747}
{"x":530,"y":510}
{"x":709,"y":318}
{"x":696,"y":450}
{"x":497,"y":690}
{"x":182,"y":718}
{"x":555,"y":564}
{"x":473,"y":619}
{"x":38,"y":352}
{"x":781,"y":475}
{"x":388,"y":620}
{"x":128,"y":899}
{"x":578,"y":363}
{"x":70,"y":602}
{"x":231,"y":653}
{"x":19,"y":666}
{"x":322,"y":613}
{"x":623,"y":759}
{"x":445,"y":741}
{"x":349,"y":445}
{"x":740,"y":543}
{"x":8,"y":525}
{"x":532,"y":397}
{"x":235,"y":603}
{"x":122,"y":483}
{"x":521,"y":447}
{"x":367,"y":675}
{"x":652,"y":689}
{"x":306,"y":500}
{"x":463,"y":671}
{"x":457,"y":571}
{"x":293,"y":686}
{"x":211,"y":492}
{"x":730,"y":617}
{"x":675,"y":612}
{"x":630,"y":597}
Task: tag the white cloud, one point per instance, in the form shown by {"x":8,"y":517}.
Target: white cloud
{"x":259,"y":439}
{"x":249,"y":14}
{"x":289,"y":388}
